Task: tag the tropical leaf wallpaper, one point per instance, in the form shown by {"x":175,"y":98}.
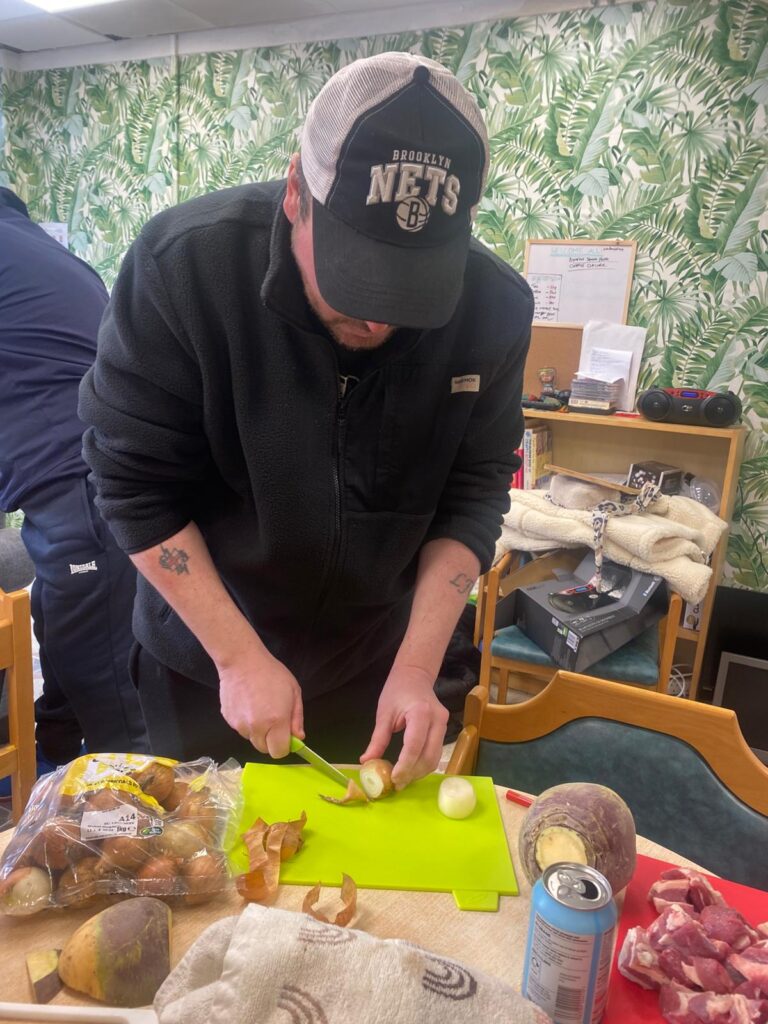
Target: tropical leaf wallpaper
{"x":644,"y":121}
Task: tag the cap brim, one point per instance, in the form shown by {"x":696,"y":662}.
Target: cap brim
{"x":366,"y":279}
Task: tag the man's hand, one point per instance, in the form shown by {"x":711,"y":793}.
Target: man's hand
{"x":408,"y":702}
{"x":261,"y":700}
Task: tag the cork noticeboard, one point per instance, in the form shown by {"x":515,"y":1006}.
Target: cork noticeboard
{"x":552,"y":345}
{"x":575,"y":280}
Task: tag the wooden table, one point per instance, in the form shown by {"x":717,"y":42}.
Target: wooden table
{"x":492,"y":942}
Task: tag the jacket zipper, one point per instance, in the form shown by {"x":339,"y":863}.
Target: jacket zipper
{"x":344,"y":386}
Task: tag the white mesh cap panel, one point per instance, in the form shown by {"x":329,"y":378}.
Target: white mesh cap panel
{"x":358,"y":87}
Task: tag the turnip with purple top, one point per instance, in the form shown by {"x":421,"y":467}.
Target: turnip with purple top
{"x":583,"y":823}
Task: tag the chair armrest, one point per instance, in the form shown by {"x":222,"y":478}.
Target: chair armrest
{"x":464,"y":754}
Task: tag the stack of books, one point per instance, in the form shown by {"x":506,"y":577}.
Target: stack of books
{"x":595,"y":394}
{"x":534,"y":455}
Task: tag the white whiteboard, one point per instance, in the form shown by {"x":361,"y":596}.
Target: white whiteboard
{"x":579,"y":279}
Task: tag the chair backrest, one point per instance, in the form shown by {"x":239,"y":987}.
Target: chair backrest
{"x":684,"y":768}
{"x":512,"y":572}
{"x":17,"y":757}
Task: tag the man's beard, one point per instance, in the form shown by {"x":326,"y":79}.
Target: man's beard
{"x":338,"y":326}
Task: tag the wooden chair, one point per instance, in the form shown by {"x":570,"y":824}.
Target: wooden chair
{"x":683,"y":767}
{"x":508,"y":655}
{"x":17,"y":758}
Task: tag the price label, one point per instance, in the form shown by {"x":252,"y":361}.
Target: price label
{"x":120,"y":821}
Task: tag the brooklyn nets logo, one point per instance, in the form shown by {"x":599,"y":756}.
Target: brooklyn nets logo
{"x":412,"y":214}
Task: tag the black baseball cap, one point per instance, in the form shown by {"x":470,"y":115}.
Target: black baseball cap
{"x":395,"y":154}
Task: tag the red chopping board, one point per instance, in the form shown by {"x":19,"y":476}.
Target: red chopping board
{"x":628,"y":1003}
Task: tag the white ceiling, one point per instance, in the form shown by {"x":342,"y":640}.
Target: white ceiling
{"x":142,"y":29}
{"x":26,"y":28}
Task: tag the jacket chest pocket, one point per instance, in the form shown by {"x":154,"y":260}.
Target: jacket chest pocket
{"x":426,"y":412}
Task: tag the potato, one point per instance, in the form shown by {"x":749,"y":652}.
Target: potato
{"x":583,"y":823}
{"x":122,"y":955}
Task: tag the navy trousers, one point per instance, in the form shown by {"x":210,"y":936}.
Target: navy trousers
{"x":82,"y":605}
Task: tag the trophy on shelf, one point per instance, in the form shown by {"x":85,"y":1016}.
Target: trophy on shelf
{"x":547,"y":377}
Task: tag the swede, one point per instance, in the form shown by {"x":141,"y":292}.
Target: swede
{"x":583,"y":823}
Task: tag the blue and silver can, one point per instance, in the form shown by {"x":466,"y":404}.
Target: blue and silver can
{"x":570,"y":944}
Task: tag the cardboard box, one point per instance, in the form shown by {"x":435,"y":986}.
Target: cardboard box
{"x":577,"y":629}
{"x":669,"y":478}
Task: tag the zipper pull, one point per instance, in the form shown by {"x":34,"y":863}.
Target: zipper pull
{"x":346,"y":383}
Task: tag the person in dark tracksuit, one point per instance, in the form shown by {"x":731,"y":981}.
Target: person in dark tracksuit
{"x":51,"y":304}
{"x":302,"y":423}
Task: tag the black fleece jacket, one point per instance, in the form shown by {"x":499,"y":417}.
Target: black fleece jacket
{"x":215,"y":398}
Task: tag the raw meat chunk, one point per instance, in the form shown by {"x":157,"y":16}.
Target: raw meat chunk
{"x":684,"y":885}
{"x":638,"y":961}
{"x":730,"y":1009}
{"x":700,"y":972}
{"x":729,"y":926}
{"x":667,"y":891}
{"x":679,"y":926}
{"x":672,"y":964}
{"x":680,"y":1006}
{"x":673,"y":1003}
{"x":753,"y":964}
{"x":710,"y":975}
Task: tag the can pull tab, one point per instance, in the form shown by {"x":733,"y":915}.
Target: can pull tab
{"x":568,"y":885}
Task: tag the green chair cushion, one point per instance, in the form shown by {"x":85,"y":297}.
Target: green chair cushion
{"x":635,"y":662}
{"x":675,"y":797}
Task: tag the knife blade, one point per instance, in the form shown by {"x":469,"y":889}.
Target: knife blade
{"x":300,"y":748}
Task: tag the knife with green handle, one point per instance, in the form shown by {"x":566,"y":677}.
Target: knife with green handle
{"x":300,"y":748}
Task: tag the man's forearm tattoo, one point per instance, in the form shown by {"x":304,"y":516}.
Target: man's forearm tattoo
{"x":174,"y":559}
{"x":462,"y":583}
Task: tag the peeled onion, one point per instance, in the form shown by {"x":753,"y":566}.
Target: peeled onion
{"x":376,"y":778}
{"x":25,"y":890}
{"x":456,"y":797}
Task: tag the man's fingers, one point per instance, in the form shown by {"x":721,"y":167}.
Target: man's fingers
{"x":382,"y":734}
{"x":257,"y":740}
{"x":297,"y":718}
{"x":416,"y":732}
{"x":278,"y":740}
{"x":433,"y":749}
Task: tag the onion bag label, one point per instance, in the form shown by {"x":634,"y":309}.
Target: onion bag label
{"x":93,"y":772}
{"x":120,"y":821}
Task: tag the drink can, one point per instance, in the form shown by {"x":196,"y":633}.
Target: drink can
{"x":570,"y":944}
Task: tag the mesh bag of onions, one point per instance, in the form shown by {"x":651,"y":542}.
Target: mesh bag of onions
{"x":122,"y":823}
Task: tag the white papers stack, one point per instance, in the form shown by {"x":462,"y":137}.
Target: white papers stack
{"x":617,"y":341}
{"x":602,"y":379}
{"x":595,"y":391}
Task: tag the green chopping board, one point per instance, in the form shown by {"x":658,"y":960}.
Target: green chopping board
{"x":400,"y":842}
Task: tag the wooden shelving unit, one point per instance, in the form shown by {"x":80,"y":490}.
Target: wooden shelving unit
{"x":610,"y":444}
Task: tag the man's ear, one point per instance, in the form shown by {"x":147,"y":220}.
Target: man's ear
{"x":291,"y":198}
